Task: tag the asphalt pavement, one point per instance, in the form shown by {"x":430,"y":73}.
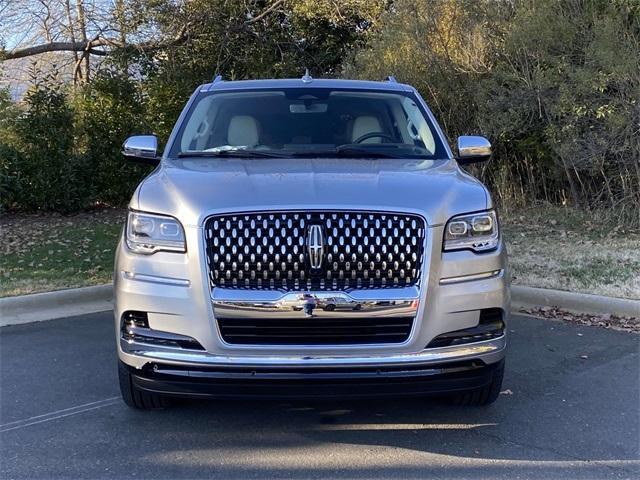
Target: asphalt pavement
{"x":570,"y":408}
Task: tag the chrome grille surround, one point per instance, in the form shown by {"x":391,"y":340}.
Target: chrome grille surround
{"x":268,"y":250}
{"x":360,"y":317}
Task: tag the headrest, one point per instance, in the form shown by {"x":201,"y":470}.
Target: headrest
{"x":366,"y":124}
{"x":243,"y":131}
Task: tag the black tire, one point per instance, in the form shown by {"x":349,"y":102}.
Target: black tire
{"x":482,"y":396}
{"x":136,"y":398}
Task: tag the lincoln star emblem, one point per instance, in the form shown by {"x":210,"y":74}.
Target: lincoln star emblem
{"x":315,"y":245}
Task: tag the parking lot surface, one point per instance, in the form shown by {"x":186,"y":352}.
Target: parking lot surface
{"x":570,"y":408}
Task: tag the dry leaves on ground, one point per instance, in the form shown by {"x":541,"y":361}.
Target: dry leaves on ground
{"x":605,"y":320}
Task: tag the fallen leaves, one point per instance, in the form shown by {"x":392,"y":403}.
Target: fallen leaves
{"x":606,"y":320}
{"x":566,"y":249}
{"x":21,"y":233}
{"x":50,"y":251}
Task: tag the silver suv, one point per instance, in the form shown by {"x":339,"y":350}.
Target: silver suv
{"x":309,"y":238}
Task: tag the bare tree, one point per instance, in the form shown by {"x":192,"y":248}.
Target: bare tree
{"x":72,"y":34}
{"x":82,"y":27}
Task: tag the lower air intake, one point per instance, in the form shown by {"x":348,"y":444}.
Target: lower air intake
{"x":315,"y":331}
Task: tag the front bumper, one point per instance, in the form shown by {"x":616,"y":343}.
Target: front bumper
{"x":174,"y":290}
{"x":489,"y":351}
{"x":328,"y":382}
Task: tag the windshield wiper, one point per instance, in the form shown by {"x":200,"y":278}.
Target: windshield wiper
{"x":342,"y":151}
{"x":358,"y":152}
{"x":238,"y":153}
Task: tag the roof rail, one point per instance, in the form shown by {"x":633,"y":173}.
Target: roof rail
{"x":217,"y":78}
{"x":391,"y":79}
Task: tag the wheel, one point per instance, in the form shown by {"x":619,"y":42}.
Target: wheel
{"x":136,"y":398}
{"x":329,"y":308}
{"x":482,"y":396}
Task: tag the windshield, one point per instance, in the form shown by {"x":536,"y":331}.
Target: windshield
{"x":307,"y":122}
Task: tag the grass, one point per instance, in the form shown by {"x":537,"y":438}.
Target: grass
{"x":51,"y":252}
{"x":565,"y":249}
{"x":549,"y":247}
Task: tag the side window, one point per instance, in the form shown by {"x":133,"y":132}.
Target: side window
{"x":417,"y":126}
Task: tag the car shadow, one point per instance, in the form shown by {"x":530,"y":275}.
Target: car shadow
{"x":408,"y":437}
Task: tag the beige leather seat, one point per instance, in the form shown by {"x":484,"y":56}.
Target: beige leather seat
{"x":243,"y":131}
{"x":366,"y":124}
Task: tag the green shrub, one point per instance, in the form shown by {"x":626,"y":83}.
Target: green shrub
{"x":9,"y":178}
{"x":62,"y":153}
{"x":108,"y":111}
{"x":553,"y":84}
{"x":40,"y":169}
{"x":9,"y":157}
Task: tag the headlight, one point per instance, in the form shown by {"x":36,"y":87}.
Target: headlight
{"x":476,"y":231}
{"x":148,"y":233}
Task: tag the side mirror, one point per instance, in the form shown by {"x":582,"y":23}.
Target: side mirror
{"x":142,"y":148}
{"x":473,"y":149}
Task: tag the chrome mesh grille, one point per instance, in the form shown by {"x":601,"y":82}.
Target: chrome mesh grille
{"x":269,"y":250}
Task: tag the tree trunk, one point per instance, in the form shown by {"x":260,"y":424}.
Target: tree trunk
{"x":72,"y":35}
{"x":119,"y":13}
{"x":82,"y":26}
{"x":575,"y":194}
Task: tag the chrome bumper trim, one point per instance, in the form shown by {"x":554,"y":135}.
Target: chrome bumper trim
{"x":236,"y":294}
{"x":431,"y":356}
{"x":470,"y":278}
{"x":179,"y":282}
{"x":233,"y":303}
{"x":148,"y":332}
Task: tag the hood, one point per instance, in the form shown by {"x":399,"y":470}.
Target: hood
{"x":191,"y":190}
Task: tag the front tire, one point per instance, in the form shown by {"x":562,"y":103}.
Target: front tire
{"x":136,"y":398}
{"x":482,"y":396}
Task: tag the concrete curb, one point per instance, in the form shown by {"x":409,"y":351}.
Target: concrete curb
{"x":50,"y":305}
{"x":530,"y":297}
{"x":78,"y":301}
